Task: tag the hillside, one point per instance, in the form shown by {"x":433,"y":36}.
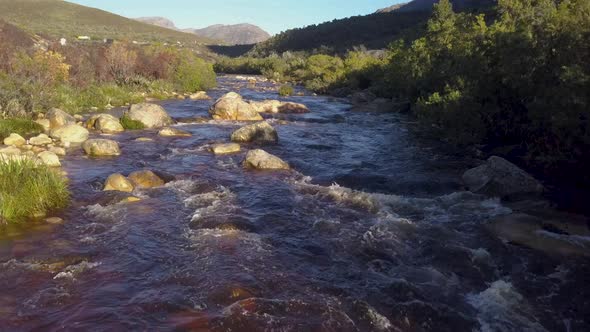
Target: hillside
{"x":158,"y":21}
{"x":420,"y":5}
{"x":374,"y":31}
{"x":237,"y":34}
{"x":56,"y":18}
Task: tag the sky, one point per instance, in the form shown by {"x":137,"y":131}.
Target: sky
{"x":273,"y":16}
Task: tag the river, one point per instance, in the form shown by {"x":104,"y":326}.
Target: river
{"x":372,"y":230}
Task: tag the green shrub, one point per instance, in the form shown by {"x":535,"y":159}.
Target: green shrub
{"x":286,"y":90}
{"x":129,"y":124}
{"x":23,"y":127}
{"x":27,"y":190}
{"x":193,"y":74}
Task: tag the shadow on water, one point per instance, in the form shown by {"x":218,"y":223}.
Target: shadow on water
{"x":371,"y":231}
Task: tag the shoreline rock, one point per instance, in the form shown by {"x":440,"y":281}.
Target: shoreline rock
{"x":101,"y":147}
{"x":150,"y":115}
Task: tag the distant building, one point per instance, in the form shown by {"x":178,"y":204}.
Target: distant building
{"x":83,"y":38}
{"x":63,"y":42}
{"x":108,"y":41}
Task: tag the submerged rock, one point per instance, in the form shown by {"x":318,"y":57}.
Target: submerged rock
{"x":258,"y":132}
{"x":70,"y":134}
{"x":499,"y":177}
{"x":225,"y":148}
{"x":101,"y":147}
{"x":550,"y":236}
{"x":49,"y":158}
{"x":174,"y":132}
{"x":145,"y":179}
{"x":260,"y":159}
{"x":58,"y":118}
{"x":231,"y":106}
{"x":118,"y":182}
{"x":15,"y":139}
{"x":150,"y":115}
{"x":105,"y":123}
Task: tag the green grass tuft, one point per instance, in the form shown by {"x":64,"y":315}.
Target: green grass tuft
{"x":129,"y":124}
{"x":23,"y":127}
{"x":286,"y":90}
{"x":27,"y":189}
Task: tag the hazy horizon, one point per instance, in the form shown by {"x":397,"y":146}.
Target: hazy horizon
{"x":263,"y":13}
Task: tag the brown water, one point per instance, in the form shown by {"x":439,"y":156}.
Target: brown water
{"x":372,"y":231}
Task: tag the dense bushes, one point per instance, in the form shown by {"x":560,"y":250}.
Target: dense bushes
{"x":28,"y":190}
{"x":78,"y":77}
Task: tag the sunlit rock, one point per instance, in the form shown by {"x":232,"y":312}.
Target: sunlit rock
{"x":146,"y":179}
{"x":150,"y":115}
{"x":15,"y":139}
{"x":231,"y":106}
{"x":260,"y":159}
{"x":225,"y":148}
{"x":118,"y":182}
{"x":70,"y":134}
{"x":101,"y":147}
{"x":258,"y":132}
{"x":174,"y":132}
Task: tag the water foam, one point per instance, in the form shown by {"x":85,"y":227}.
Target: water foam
{"x":502,"y":308}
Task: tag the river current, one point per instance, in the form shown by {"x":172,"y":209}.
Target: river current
{"x":372,"y":230}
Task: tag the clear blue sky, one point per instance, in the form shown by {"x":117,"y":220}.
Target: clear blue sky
{"x":272,"y":15}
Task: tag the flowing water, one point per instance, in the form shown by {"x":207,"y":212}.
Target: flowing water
{"x":371,"y":231}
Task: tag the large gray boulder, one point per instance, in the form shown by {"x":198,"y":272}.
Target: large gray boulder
{"x":261,"y":132}
{"x":232,"y":106}
{"x":276,"y":106}
{"x":105,"y":123}
{"x":101,"y":147}
{"x":58,"y":118}
{"x":70,"y":134}
{"x":260,"y":159}
{"x":151,"y":115}
{"x":501,"y":178}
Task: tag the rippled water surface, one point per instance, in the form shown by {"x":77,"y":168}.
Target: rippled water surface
{"x":371,"y":231}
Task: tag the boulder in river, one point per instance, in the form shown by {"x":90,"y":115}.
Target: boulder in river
{"x":118,"y":182}
{"x":260,"y":159}
{"x":550,"y":236}
{"x":70,"y":134}
{"x":58,"y":118}
{"x":258,"y":132}
{"x":49,"y":158}
{"x":225,"y":148}
{"x":231,"y":106}
{"x":276,"y":106}
{"x":15,"y":139}
{"x":146,"y":179}
{"x":150,"y":115}
{"x":499,"y":177}
{"x":105,"y":123}
{"x":101,"y":147}
{"x":174,"y":132}
{"x":199,"y":95}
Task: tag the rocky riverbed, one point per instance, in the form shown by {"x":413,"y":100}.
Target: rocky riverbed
{"x":305,"y":213}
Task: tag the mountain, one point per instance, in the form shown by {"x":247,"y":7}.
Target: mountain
{"x":237,"y":34}
{"x":391,"y":8}
{"x":374,"y":31}
{"x":158,"y":21}
{"x":57,"y":18}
